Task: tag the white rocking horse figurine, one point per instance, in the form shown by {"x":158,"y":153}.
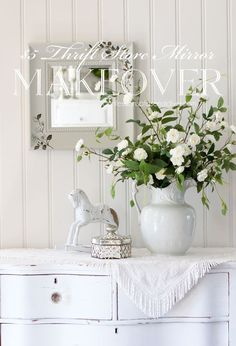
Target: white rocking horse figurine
{"x":86,"y":213}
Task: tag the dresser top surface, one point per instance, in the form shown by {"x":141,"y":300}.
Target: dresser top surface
{"x":60,"y":261}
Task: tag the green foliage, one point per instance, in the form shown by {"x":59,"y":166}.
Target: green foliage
{"x":132,"y":204}
{"x":177,"y":143}
{"x":113,"y":190}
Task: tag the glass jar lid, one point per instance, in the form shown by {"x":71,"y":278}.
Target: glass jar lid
{"x":111,"y":238}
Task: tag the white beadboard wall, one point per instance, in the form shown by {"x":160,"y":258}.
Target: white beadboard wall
{"x":34,"y":209}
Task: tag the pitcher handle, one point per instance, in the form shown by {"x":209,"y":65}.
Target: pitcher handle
{"x":134,"y":193}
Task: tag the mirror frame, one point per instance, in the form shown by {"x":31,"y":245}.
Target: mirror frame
{"x":43,"y":135}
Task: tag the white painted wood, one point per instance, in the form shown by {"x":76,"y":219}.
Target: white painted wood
{"x":88,"y":173}
{"x":11,"y":126}
{"x":192,"y":39}
{"x":61,"y":166}
{"x":140,"y":35}
{"x":87,"y":313}
{"x":120,"y":202}
{"x":232,"y":85}
{"x":174,"y":334}
{"x":60,"y":20}
{"x":232,"y":310}
{"x":34,"y":179}
{"x":62,"y":183}
{"x":59,"y":335}
{"x":164,"y":34}
{"x":218,"y":227}
{"x":79,"y":297}
{"x":208,"y":299}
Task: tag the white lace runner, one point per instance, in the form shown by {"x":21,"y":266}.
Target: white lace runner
{"x":155,"y":283}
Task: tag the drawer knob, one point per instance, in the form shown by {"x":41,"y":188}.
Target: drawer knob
{"x":56,"y":297}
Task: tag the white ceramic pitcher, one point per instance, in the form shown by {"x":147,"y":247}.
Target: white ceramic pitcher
{"x":168,"y":222}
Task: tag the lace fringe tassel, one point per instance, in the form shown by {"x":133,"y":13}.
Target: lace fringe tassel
{"x":157,"y":307}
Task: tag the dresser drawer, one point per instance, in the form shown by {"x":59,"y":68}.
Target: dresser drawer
{"x":57,"y":335}
{"x":160,"y":334}
{"x":59,"y":296}
{"x":207,"y":299}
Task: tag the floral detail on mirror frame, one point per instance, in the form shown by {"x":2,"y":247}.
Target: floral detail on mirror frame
{"x":125,"y":69}
{"x":41,"y":139}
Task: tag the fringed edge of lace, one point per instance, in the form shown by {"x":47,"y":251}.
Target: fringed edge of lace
{"x":158,"y":307}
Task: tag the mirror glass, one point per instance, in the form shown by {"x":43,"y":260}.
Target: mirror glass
{"x":77,"y":104}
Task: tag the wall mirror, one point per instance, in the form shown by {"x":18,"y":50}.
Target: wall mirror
{"x":66,"y":83}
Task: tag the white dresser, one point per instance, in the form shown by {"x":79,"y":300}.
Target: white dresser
{"x":69,"y":306}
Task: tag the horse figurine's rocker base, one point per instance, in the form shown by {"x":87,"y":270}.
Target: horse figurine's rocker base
{"x":86,"y":213}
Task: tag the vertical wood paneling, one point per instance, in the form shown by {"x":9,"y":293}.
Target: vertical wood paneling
{"x":232,"y":52}
{"x":138,"y":31}
{"x":87,"y":20}
{"x":61,"y":162}
{"x":112,"y":28}
{"x":34,"y":185}
{"x":218,"y":232}
{"x":112,"y":20}
{"x":164,"y":35}
{"x":60,"y":20}
{"x":11,"y":127}
{"x":87,"y":28}
{"x":36,"y":173}
{"x":192,"y":40}
{"x":62,"y":185}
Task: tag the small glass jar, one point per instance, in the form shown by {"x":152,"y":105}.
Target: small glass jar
{"x":111,"y":246}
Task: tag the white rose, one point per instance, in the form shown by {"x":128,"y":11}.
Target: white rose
{"x":173,"y":136}
{"x":218,"y":117}
{"x":139,"y":137}
{"x":153,"y":116}
{"x":79,"y":145}
{"x":178,"y":151}
{"x":140,"y":154}
{"x":123,"y":144}
{"x":194,"y":140}
{"x":113,"y":78}
{"x":126,"y":152}
{"x":97,"y":86}
{"x":127,"y":99}
{"x":211,"y":125}
{"x":109,"y":169}
{"x":233,"y":128}
{"x":202,"y":175}
{"x":177,"y":160}
{"x":186,"y":150}
{"x":209,"y":138}
{"x":179,"y":170}
{"x":160,"y":175}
